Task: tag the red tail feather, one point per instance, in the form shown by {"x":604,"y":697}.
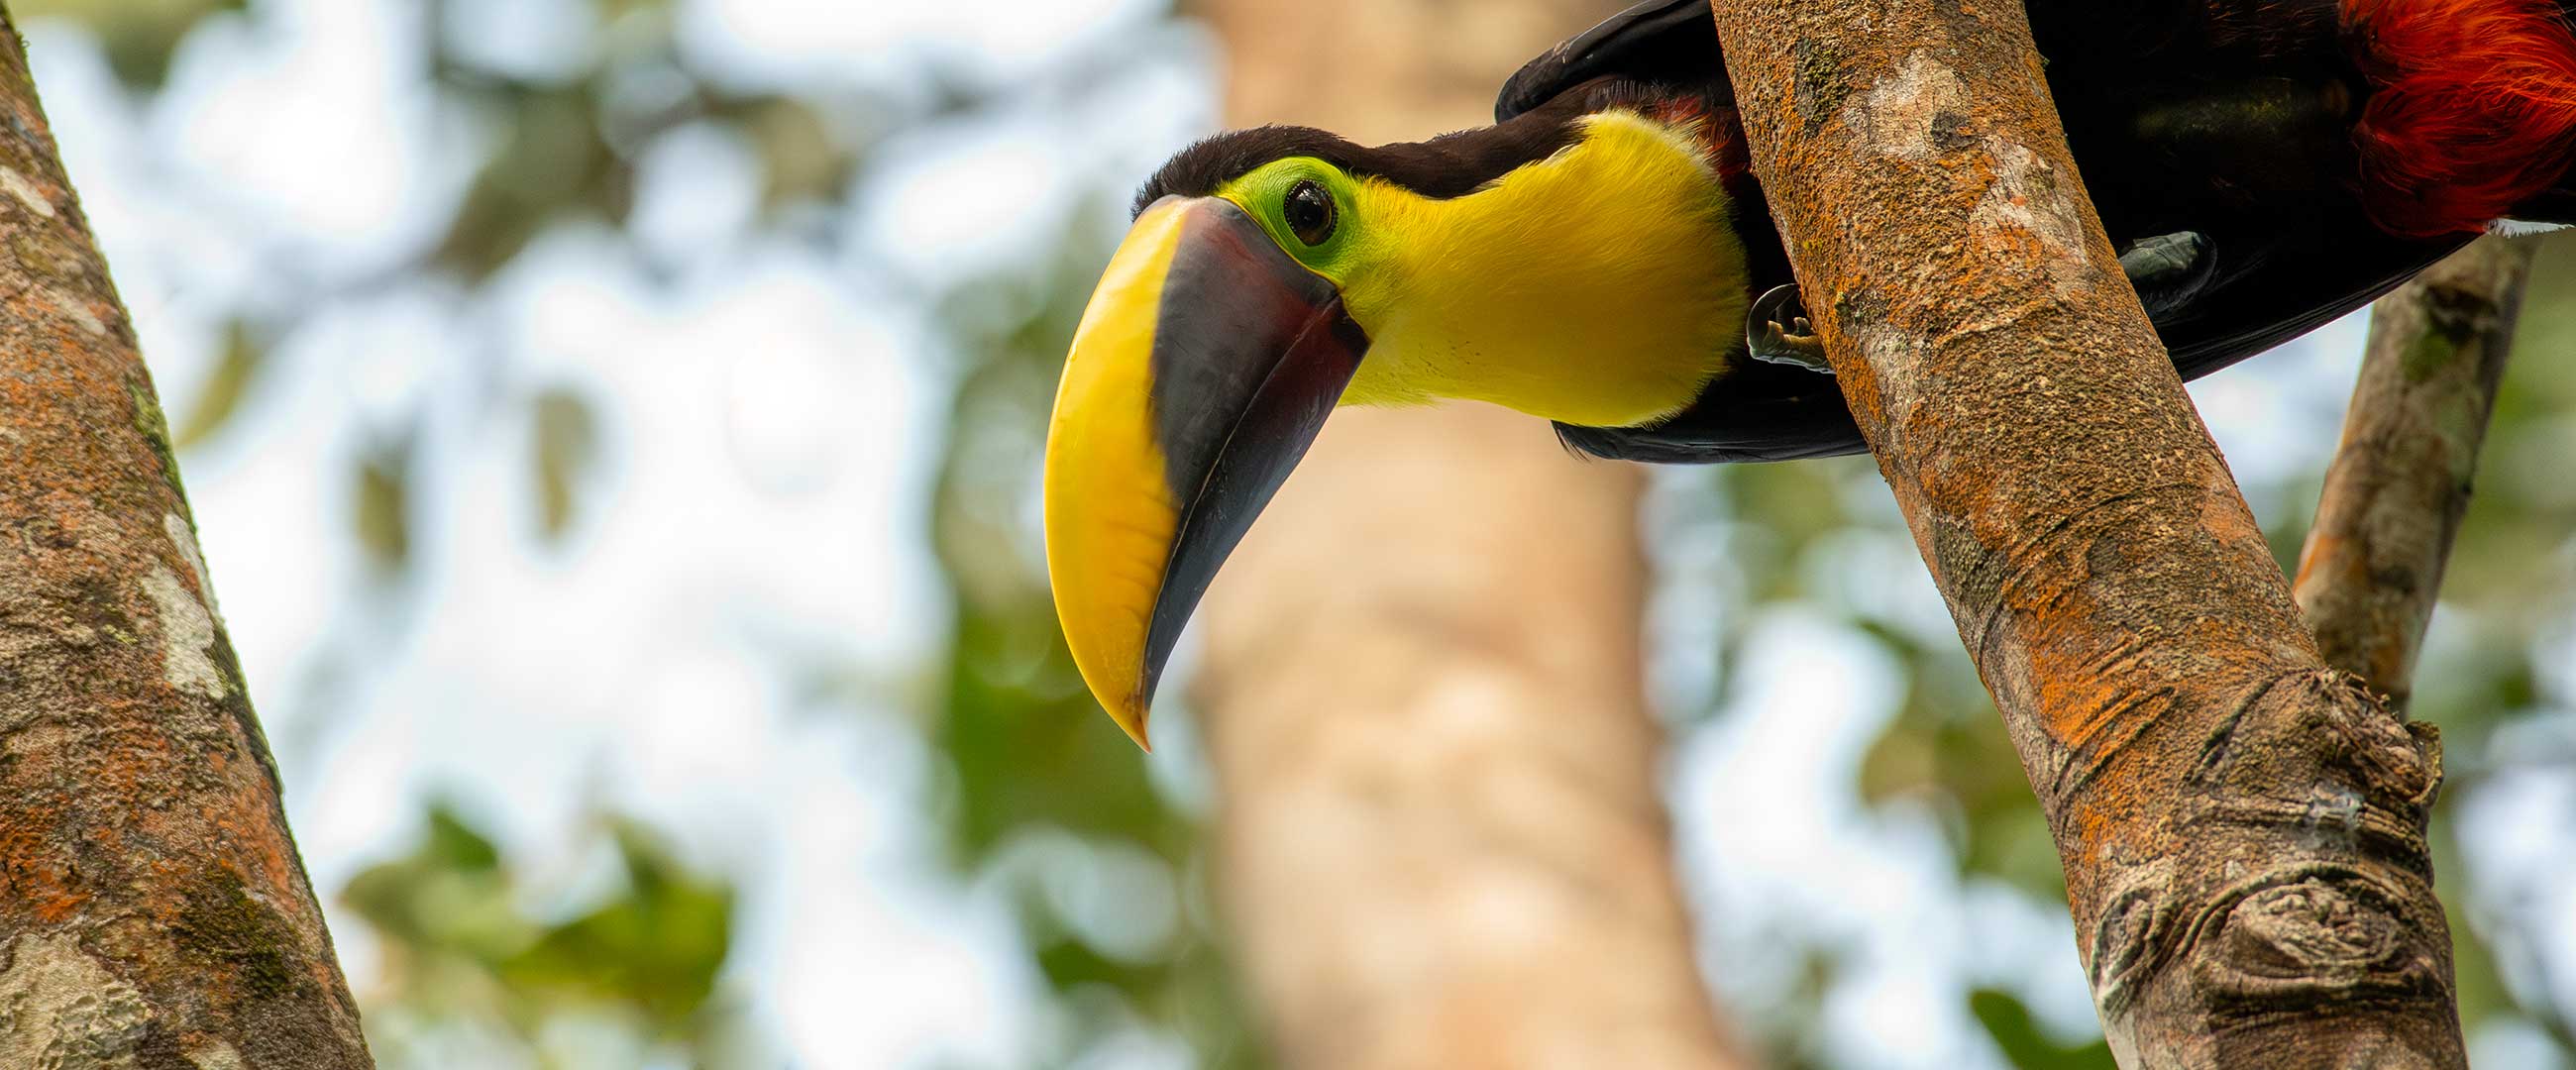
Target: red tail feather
{"x":2473,"y":111}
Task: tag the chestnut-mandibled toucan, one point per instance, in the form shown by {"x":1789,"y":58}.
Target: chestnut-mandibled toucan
{"x":1602,"y":256}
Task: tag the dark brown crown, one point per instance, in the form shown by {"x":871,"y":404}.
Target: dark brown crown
{"x":1451,"y":165}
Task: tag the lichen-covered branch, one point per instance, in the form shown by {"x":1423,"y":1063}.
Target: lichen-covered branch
{"x":2400,"y":481}
{"x":153,"y":911}
{"x":1440,"y":839}
{"x":2242,"y":827}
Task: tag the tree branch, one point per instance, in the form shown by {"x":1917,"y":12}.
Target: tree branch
{"x":153,"y":911}
{"x":2372,"y":567}
{"x":2400,"y":481}
{"x":2242,"y":828}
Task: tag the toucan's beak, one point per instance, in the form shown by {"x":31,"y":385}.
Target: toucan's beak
{"x":1204,"y":366}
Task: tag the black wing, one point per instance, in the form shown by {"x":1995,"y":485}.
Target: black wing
{"x":1656,"y":41}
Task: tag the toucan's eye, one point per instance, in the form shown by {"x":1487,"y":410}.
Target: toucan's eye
{"x":1309,"y":212}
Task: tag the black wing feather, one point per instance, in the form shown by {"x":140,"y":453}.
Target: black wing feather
{"x":1656,"y":41}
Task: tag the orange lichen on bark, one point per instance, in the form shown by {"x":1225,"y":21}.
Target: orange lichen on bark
{"x":2242,"y":828}
{"x":153,"y":912}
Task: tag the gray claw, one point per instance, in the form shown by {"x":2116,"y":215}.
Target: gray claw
{"x":2170,"y":270}
{"x":1795,"y":344}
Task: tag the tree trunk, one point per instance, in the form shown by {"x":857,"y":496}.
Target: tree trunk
{"x":2242,"y":827}
{"x":153,"y":912}
{"x":2400,"y":481}
{"x":1441,"y":840}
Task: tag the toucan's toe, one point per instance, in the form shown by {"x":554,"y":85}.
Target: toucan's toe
{"x":2169,"y":270}
{"x":1777,"y":331}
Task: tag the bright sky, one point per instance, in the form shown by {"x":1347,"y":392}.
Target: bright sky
{"x":767,"y":419}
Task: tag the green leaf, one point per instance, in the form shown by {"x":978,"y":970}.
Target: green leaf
{"x":447,"y":901}
{"x":221,"y":397}
{"x":801,"y":160}
{"x":612,"y":10}
{"x":656,"y":948}
{"x":455,"y":845}
{"x":461,"y":948}
{"x":1906,"y":760}
{"x":139,"y":36}
{"x":564,"y":448}
{"x":2013,"y":1029}
{"x":554,"y":164}
{"x":381,"y":514}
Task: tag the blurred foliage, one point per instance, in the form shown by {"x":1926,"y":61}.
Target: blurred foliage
{"x":1044,"y":797}
{"x":567,"y":148}
{"x":138,"y":36}
{"x":465,"y":954}
{"x":804,"y":163}
{"x":2023,"y":1044}
{"x":1946,"y":751}
{"x":380,"y":507}
{"x":1031,"y":752}
{"x":554,"y":163}
{"x":222,"y":395}
{"x":566,"y":441}
{"x":1050,"y":799}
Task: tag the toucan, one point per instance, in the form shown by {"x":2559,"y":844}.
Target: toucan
{"x":1602,"y":256}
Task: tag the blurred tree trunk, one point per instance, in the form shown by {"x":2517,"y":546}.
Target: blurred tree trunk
{"x":153,"y":912}
{"x":2242,"y":827}
{"x":1442,"y":843}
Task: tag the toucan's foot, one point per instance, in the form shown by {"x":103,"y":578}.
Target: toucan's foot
{"x":2169,"y":270}
{"x":1776,"y":330}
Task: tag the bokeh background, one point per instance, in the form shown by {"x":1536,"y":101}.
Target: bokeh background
{"x":613,"y":426}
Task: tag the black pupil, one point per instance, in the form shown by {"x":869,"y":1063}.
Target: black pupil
{"x":1310,"y":213}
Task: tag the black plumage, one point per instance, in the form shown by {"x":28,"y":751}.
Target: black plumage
{"x":2229,"y":127}
{"x":2230,"y":119}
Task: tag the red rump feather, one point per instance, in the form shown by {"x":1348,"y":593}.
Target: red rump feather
{"x":2473,"y":108}
{"x":1717,"y":129}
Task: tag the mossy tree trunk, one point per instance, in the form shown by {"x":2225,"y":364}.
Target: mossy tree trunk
{"x":1440,"y":834}
{"x":2242,"y":826}
{"x":153,"y":911}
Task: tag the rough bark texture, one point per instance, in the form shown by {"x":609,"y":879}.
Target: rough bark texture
{"x":2400,"y":481}
{"x":1441,"y":838}
{"x":153,"y":912}
{"x":2242,"y":827}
